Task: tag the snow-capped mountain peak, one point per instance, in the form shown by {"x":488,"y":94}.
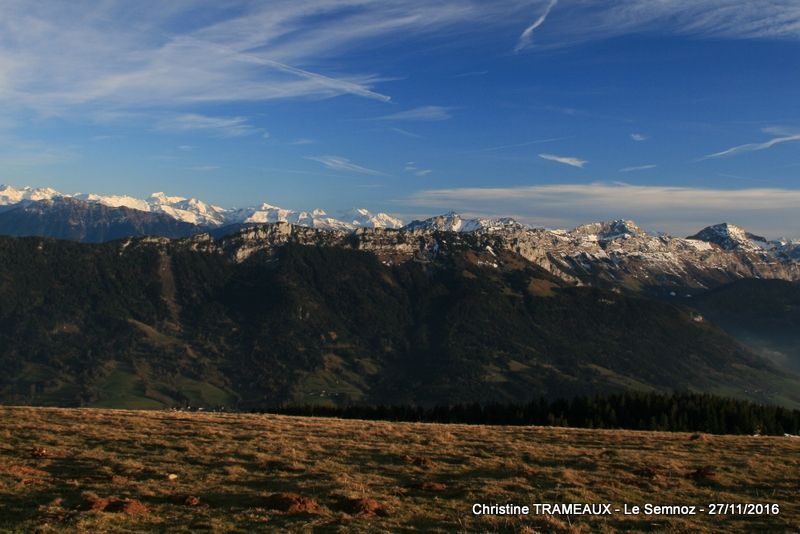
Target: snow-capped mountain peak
{"x":115,"y":201}
{"x":453,"y":222}
{"x":10,"y":195}
{"x":610,"y":230}
{"x":162,"y":198}
{"x":731,"y":237}
{"x":363,"y":218}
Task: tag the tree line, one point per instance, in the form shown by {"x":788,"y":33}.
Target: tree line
{"x":676,"y":412}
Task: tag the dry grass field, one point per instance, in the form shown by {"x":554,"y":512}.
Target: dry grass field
{"x":90,"y":470}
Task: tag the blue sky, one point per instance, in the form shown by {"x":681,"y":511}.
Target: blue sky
{"x":676,"y":113}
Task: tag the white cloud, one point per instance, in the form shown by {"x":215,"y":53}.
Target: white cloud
{"x":527,"y":35}
{"x":585,"y":20}
{"x":525,"y":143}
{"x":752,"y":147}
{"x":639,"y":137}
{"x":339,"y":163}
{"x":424,"y":113}
{"x":412,"y":168}
{"x":471,"y":74}
{"x":405,"y":133}
{"x":204,"y":168}
{"x":637,"y":168}
{"x":219,"y":126}
{"x":779,"y":130}
{"x":566,"y":160}
{"x":677,"y":209}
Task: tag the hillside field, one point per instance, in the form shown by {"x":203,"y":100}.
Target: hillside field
{"x":96,"y":470}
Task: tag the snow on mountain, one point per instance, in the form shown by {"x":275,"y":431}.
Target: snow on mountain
{"x":188,"y":210}
{"x":9,"y":195}
{"x":363,"y":218}
{"x":453,"y":222}
{"x":610,"y":230}
{"x":194,"y":211}
{"x":731,"y":237}
{"x":267,"y":213}
{"x":115,"y":201}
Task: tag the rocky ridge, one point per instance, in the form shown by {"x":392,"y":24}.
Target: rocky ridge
{"x":614,"y":253}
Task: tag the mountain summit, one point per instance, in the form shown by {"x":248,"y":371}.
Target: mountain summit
{"x":732,"y":237}
{"x":454,"y":222}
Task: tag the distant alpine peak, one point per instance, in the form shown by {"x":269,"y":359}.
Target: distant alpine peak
{"x":10,"y":195}
{"x":731,"y":237}
{"x":454,"y":222}
{"x":363,"y":218}
{"x":162,"y":198}
{"x":611,"y":230}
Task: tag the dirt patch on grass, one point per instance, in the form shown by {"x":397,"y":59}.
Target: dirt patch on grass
{"x":362,"y":507}
{"x":119,"y":480}
{"x":39,"y":452}
{"x":22,"y":471}
{"x":130,"y":507}
{"x":292,"y":503}
{"x":432,"y":486}
{"x":191,"y":500}
{"x":704,"y":475}
{"x":421,"y":461}
{"x":116,"y":505}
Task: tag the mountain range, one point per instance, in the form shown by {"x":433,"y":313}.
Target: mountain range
{"x":158,"y":311}
{"x":196,"y":212}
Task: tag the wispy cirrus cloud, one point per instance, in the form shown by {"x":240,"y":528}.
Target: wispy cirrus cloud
{"x":339,"y":163}
{"x":754,"y":147}
{"x":565,"y":160}
{"x":412,"y":168}
{"x":527,"y":35}
{"x":218,"y":126}
{"x":76,"y":57}
{"x":639,"y":137}
{"x":637,"y":168}
{"x":423,"y":113}
{"x":90,"y":60}
{"x":525,"y":143}
{"x":405,"y":133}
{"x":681,"y":210}
{"x":471,"y":74}
{"x":586,"y":20}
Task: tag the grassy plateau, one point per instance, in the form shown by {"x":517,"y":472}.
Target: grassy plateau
{"x":97,"y":470}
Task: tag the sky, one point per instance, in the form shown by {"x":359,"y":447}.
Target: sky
{"x":674,"y":113}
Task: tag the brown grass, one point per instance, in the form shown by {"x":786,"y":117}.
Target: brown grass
{"x":254,"y":473}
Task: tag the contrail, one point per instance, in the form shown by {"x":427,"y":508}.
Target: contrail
{"x":325,"y":81}
{"x":333,"y":83}
{"x":525,"y":38}
{"x":753,"y":147}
